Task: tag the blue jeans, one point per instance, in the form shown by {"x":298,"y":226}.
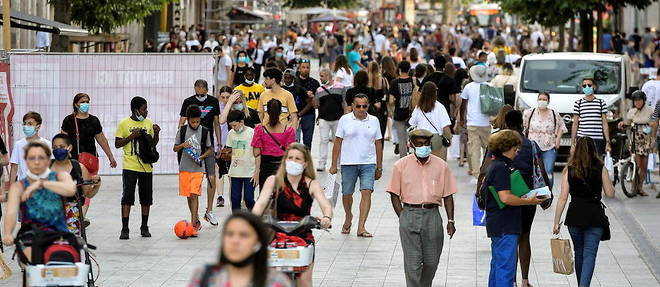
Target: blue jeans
{"x":350,"y":174}
{"x":306,"y":130}
{"x":504,"y":260}
{"x":549,"y":158}
{"x":241,"y":185}
{"x":585,"y":242}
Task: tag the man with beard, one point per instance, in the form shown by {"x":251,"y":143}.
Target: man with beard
{"x":250,"y":89}
{"x":299,"y":96}
{"x":306,"y":111}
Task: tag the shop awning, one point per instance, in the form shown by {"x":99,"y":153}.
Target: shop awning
{"x":30,"y":22}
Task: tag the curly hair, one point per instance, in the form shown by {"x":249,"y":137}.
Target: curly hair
{"x":502,"y":141}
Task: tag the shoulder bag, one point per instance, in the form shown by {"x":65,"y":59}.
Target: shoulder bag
{"x":438,"y":140}
{"x":274,"y":139}
{"x":604,"y":220}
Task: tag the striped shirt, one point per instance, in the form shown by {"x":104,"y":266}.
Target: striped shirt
{"x":656,"y":115}
{"x":590,"y":117}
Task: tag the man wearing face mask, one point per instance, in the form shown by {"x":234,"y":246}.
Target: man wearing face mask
{"x":251,"y":90}
{"x":135,"y":171}
{"x":299,"y":95}
{"x":307,"y":112}
{"x":589,"y":118}
{"x":420,"y":183}
{"x":31,"y":125}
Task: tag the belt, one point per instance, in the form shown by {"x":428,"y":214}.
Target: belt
{"x":422,"y":205}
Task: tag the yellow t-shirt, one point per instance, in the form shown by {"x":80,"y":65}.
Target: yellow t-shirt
{"x":252,"y":94}
{"x":131,"y":160}
{"x":288,"y":104}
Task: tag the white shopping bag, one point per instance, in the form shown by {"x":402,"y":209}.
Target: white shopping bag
{"x":332,"y":188}
{"x":653,"y":157}
{"x":609,"y":165}
{"x":455,"y":148}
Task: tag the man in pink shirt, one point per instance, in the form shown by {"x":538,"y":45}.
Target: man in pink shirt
{"x":420,"y":183}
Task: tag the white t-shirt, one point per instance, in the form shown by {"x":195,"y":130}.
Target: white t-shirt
{"x":18,"y":156}
{"x":211,"y":44}
{"x":438,"y":118}
{"x":258,"y":56}
{"x":223,"y":63}
{"x":358,"y":138}
{"x":652,"y":91}
{"x":475,"y":117}
{"x":344,"y":77}
{"x":536,"y":35}
{"x":379,"y":41}
{"x":242,"y":161}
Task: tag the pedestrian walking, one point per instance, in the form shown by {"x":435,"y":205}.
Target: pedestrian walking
{"x":270,"y":141}
{"x":642,"y":139}
{"x":503,"y":225}
{"x":421,"y":183}
{"x":193,"y":145}
{"x":251,"y":89}
{"x":288,"y":115}
{"x":18,"y":165}
{"x":545,"y":126}
{"x":358,"y":139}
{"x":378,"y":100}
{"x":239,"y":69}
{"x":342,"y":71}
{"x":589,"y":118}
{"x":242,"y":165}
{"x":478,"y":124}
{"x":299,"y":95}
{"x":223,"y":74}
{"x":584,"y":179}
{"x":431,"y":115}
{"x":329,"y":100}
{"x":209,"y":107}
{"x":237,"y":102}
{"x":401,"y":93}
{"x":132,"y":134}
{"x":306,"y":114}
{"x":85,"y":130}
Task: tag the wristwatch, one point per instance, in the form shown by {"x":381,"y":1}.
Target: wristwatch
{"x":451,"y":221}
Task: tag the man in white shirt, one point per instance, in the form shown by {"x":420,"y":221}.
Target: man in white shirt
{"x":211,"y":42}
{"x":18,"y":165}
{"x":652,"y":91}
{"x":359,"y":139}
{"x":380,"y":43}
{"x":223,"y":73}
{"x":478,"y":123}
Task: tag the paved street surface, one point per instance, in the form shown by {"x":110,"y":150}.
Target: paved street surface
{"x":341,"y":260}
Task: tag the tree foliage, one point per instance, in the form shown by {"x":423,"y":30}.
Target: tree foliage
{"x":340,"y":4}
{"x":105,"y":15}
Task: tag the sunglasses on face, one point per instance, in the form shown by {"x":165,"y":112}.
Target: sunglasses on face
{"x":361,"y":106}
{"x":304,"y":61}
{"x":587,"y":85}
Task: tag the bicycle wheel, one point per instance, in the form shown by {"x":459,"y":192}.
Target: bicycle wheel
{"x":627,"y":178}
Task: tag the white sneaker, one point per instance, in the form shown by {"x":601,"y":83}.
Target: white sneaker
{"x":210,"y":217}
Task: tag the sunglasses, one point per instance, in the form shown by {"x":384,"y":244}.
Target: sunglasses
{"x":587,"y":85}
{"x":361,"y":106}
{"x":304,"y":61}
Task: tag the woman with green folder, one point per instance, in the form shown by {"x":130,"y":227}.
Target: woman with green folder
{"x":504,"y":225}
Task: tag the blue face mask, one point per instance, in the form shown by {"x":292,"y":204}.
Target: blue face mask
{"x":243,"y":59}
{"x":423,"y":151}
{"x":279,"y":54}
{"x":588,"y":90}
{"x":29,"y":130}
{"x":84,"y":107}
{"x":238,"y":107}
{"x":139,"y":117}
{"x":60,"y":153}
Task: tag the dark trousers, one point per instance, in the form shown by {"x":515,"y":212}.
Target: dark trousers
{"x":306,"y":130}
{"x":268,"y":167}
{"x":241,"y":186}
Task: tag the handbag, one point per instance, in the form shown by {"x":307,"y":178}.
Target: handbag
{"x":604,"y":220}
{"x":90,"y":161}
{"x":562,"y":256}
{"x":478,"y":214}
{"x":539,"y":185}
{"x":491,"y":99}
{"x":225,"y":153}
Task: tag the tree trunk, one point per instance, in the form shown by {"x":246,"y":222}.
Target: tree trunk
{"x":586,"y":27}
{"x":62,"y":14}
{"x":599,"y":30}
{"x":571,"y":36}
{"x":562,"y":37}
{"x":445,"y":10}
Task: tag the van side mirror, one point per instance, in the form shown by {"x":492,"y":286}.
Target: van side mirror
{"x":631,"y":90}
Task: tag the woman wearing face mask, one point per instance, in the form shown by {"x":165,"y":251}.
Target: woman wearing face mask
{"x":243,"y":259}
{"x":270,"y":141}
{"x":85,"y":130}
{"x":38,"y":197}
{"x":642,"y":140}
{"x":237,"y":98}
{"x":242,"y":64}
{"x":294,"y":188}
{"x":546,"y":127}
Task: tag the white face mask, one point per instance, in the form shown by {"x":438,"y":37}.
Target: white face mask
{"x":543,"y":104}
{"x":43,"y":175}
{"x":294,"y":168}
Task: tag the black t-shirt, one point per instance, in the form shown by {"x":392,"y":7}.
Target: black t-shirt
{"x":88,"y":128}
{"x":402,"y":90}
{"x":210,"y":108}
{"x":446,"y":86}
{"x":501,"y":221}
{"x":309,"y":84}
{"x":330,"y":105}
{"x":239,"y":74}
{"x":253,"y":120}
{"x":299,"y":95}
{"x":3,"y":147}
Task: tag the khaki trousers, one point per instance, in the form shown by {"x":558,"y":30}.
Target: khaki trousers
{"x":477,"y":140}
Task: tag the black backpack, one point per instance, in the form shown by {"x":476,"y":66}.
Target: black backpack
{"x":182,"y":138}
{"x":146,"y":149}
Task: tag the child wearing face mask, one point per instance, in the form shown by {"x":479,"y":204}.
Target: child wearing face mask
{"x":193,"y":145}
{"x":243,"y":163}
{"x":31,"y":125}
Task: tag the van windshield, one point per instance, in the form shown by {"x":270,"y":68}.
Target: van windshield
{"x":565,"y":76}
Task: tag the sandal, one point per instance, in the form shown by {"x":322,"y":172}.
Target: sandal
{"x":346,"y":230}
{"x":365,"y":234}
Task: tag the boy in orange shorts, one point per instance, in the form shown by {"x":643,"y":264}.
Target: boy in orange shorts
{"x":193,"y":145}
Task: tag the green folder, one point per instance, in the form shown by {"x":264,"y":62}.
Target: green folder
{"x":518,"y":188}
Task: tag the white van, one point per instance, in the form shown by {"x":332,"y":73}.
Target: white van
{"x":561,"y":74}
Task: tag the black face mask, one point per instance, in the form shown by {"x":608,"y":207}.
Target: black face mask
{"x":239,"y":264}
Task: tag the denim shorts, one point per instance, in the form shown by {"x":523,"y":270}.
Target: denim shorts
{"x":351,"y":173}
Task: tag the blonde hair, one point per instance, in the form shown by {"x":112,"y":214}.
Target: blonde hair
{"x":241,"y":96}
{"x":309,"y":168}
{"x":374,"y":75}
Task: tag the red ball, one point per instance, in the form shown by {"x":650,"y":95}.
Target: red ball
{"x":183,"y":229}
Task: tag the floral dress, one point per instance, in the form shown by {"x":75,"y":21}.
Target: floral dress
{"x":641,"y":132}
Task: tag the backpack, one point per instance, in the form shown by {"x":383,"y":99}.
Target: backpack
{"x":182,"y":138}
{"x":146,"y":149}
